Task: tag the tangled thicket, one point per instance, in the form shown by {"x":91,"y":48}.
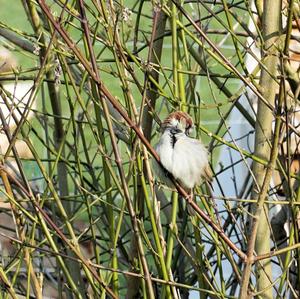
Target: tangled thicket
{"x":82,"y":214}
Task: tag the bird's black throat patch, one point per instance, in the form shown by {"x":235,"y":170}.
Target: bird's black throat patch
{"x":173,"y":139}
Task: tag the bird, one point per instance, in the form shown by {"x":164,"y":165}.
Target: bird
{"x":182,"y":156}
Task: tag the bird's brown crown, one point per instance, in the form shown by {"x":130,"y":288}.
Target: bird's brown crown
{"x":178,"y":117}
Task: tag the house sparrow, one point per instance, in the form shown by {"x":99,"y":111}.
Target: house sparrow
{"x":184,"y":157}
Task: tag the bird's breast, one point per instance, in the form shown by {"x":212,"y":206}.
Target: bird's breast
{"x":189,"y":161}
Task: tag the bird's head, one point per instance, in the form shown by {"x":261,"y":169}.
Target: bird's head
{"x":178,"y":122}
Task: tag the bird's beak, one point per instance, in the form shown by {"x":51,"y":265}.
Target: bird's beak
{"x":175,"y":131}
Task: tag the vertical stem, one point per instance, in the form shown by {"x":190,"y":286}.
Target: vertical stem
{"x":159,"y":248}
{"x":154,"y":58}
{"x":174,"y":52}
{"x":172,"y":234}
{"x":260,"y":232}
